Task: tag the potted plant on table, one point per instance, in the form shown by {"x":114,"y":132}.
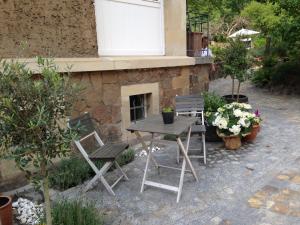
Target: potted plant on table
{"x":236,"y":63}
{"x":255,"y":127}
{"x":212,"y":102}
{"x":233,"y":121}
{"x":168,"y":115}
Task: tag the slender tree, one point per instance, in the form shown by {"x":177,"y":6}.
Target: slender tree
{"x":32,"y":113}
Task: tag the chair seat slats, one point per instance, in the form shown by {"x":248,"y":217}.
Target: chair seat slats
{"x":108,"y":151}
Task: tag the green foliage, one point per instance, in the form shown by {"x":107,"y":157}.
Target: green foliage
{"x":74,"y":171}
{"x":167,"y":109}
{"x":69,"y":173}
{"x":212,"y":101}
{"x":262,"y":16}
{"x":262,"y":76}
{"x":75,"y":213}
{"x":236,"y":60}
{"x":32,"y":109}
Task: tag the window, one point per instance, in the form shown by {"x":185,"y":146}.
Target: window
{"x":139,"y":105}
{"x":130,"y":27}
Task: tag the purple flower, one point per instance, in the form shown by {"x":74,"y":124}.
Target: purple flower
{"x":257,"y":114}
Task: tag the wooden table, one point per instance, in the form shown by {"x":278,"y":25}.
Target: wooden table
{"x":154,"y":124}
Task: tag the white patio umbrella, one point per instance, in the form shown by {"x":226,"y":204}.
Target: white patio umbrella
{"x":243,"y":32}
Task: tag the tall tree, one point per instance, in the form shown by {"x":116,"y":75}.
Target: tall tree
{"x":32,"y":111}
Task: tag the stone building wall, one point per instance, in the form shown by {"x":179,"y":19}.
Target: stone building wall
{"x":102,"y":91}
{"x":56,"y":28}
{"x":102,"y":98}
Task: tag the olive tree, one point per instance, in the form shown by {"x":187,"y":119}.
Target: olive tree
{"x":33,"y":109}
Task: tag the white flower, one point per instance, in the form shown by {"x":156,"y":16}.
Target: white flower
{"x":220,"y":122}
{"x":237,"y":113}
{"x":247,"y":106}
{"x":228,"y":106}
{"x":235,"y":129}
{"x":220,"y":110}
{"x":244,"y":122}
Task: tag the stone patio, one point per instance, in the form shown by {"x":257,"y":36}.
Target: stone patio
{"x":256,"y":185}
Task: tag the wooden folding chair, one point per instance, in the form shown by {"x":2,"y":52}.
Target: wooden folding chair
{"x":104,"y":152}
{"x":193,"y":105}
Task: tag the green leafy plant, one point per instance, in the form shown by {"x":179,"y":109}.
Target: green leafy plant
{"x":32,"y":111}
{"x":75,"y":170}
{"x":212,"y":102}
{"x":236,"y":63}
{"x":167,"y":109}
{"x":75,"y":212}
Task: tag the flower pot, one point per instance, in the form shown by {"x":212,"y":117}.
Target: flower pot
{"x":6,"y":210}
{"x":254,"y":131}
{"x":211,"y":134}
{"x":232,"y":142}
{"x":168,"y":117}
{"x":230,"y":98}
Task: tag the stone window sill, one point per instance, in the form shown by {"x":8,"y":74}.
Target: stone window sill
{"x":117,"y":63}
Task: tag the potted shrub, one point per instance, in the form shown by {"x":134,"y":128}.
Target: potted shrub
{"x":212,"y":102}
{"x":168,"y":115}
{"x":233,"y":121}
{"x":236,"y":64}
{"x":255,"y":127}
{"x":5,"y":210}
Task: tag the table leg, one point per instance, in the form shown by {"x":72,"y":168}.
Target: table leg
{"x":139,"y":137}
{"x":183,"y":167}
{"x":184,"y":152}
{"x":147,"y":164}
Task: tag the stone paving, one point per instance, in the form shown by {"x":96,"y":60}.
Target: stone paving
{"x":257,"y":185}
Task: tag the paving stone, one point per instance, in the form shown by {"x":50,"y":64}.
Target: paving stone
{"x":266,"y":193}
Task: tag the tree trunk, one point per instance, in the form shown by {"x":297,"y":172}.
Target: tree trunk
{"x":238,"y":92}
{"x":46,"y":194}
{"x":232,"y":91}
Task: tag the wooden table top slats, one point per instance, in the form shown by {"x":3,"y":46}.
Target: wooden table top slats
{"x":155,"y":124}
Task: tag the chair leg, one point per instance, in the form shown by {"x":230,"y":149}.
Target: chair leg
{"x":178,"y":156}
{"x":204,"y":147}
{"x":99,"y":175}
{"x":107,"y":186}
{"x":124,"y":174}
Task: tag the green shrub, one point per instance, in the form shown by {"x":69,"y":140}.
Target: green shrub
{"x":262,"y":77}
{"x":74,"y":171}
{"x":69,"y":173}
{"x":75,"y":213}
{"x":274,"y":73}
{"x":212,"y":101}
{"x":286,"y":74}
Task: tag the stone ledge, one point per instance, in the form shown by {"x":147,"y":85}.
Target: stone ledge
{"x":114,"y":63}
{"x":203,"y":60}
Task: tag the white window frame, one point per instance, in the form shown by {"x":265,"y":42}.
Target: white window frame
{"x":134,"y":52}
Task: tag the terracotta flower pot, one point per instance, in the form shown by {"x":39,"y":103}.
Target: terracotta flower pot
{"x":6,"y":210}
{"x":254,"y":131}
{"x":232,"y":142}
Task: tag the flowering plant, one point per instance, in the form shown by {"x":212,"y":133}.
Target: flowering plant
{"x":234,"y":119}
{"x":256,"y":119}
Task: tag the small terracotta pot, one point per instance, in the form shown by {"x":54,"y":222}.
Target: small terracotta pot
{"x":232,"y":142}
{"x":254,"y":131}
{"x":6,"y":210}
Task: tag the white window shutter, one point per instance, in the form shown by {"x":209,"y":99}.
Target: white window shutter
{"x":130,"y":27}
